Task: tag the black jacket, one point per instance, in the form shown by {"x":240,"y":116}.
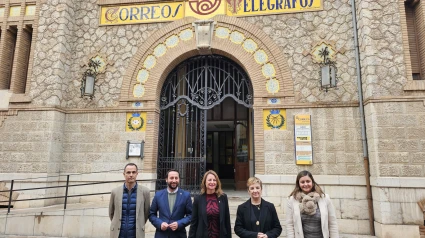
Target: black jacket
{"x":269,"y":222}
{"x":199,"y":223}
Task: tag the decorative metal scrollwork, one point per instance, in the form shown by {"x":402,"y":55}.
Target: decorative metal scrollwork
{"x":205,"y":81}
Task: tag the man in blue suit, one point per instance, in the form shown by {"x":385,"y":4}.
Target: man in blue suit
{"x":171,"y":209}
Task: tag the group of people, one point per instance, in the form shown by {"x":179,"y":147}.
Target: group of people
{"x":309,"y":213}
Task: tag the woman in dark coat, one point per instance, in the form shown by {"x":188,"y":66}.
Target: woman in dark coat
{"x":257,"y":218}
{"x":210,"y":212}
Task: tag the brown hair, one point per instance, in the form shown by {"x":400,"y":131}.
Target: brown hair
{"x":131,"y":164}
{"x":315,"y":188}
{"x":253,"y":180}
{"x":218,"y":190}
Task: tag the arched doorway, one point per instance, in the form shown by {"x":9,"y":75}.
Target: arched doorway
{"x":205,"y":105}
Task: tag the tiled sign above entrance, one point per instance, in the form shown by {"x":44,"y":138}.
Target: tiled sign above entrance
{"x":201,"y":9}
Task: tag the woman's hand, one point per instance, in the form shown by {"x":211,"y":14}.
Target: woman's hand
{"x":261,"y":235}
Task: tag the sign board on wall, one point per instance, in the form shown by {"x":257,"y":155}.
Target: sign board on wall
{"x":303,"y":145}
{"x":171,"y":11}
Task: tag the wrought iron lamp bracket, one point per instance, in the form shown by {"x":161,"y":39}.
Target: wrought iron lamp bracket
{"x":91,"y":71}
{"x":329,"y":72}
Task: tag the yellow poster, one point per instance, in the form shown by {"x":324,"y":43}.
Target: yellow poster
{"x":303,"y":144}
{"x":274,"y":119}
{"x":146,"y":13}
{"x":265,"y":7}
{"x":205,"y":9}
{"x":136,"y":121}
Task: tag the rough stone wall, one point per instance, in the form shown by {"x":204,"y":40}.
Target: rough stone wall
{"x":298,"y":32}
{"x":53,"y":52}
{"x":97,"y":142}
{"x":381,"y":46}
{"x":337,"y":148}
{"x":69,"y":34}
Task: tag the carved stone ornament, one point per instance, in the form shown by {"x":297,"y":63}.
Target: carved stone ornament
{"x":204,"y":32}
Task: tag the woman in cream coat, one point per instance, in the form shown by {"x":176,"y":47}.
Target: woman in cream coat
{"x":310,"y":212}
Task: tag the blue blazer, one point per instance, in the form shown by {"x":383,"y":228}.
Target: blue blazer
{"x":160,"y":212}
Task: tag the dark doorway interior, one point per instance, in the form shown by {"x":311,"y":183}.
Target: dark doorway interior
{"x":228,"y":143}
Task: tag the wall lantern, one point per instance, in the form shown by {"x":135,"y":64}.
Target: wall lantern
{"x":89,"y":79}
{"x":328,"y":72}
{"x":135,"y":149}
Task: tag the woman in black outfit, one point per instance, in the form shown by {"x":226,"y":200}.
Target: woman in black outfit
{"x":257,"y":218}
{"x":210,"y":212}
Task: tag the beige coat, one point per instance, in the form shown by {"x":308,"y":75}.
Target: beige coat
{"x":142,"y":210}
{"x":294,"y":227}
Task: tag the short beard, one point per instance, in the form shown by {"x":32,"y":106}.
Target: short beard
{"x":169,"y":185}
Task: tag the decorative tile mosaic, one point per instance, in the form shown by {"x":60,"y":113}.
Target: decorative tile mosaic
{"x":102,"y":63}
{"x":172,"y":41}
{"x":150,"y":62}
{"x":142,"y":76}
{"x":160,"y":50}
{"x":268,"y":70}
{"x":250,"y":46}
{"x":237,"y":37}
{"x":261,"y":57}
{"x":135,"y":121}
{"x":138,"y":91}
{"x":222,"y":32}
{"x":186,"y":34}
{"x":273,"y":101}
{"x":272,"y":86}
{"x":317,"y":50}
{"x":137,"y":104}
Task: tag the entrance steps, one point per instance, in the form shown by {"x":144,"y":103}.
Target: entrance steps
{"x":87,"y":220}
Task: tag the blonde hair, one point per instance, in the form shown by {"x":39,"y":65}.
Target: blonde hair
{"x":218,"y":190}
{"x":252,"y":181}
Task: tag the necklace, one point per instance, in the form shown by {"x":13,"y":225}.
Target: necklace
{"x":258,"y":206}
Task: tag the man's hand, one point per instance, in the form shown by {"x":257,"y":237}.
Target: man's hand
{"x":174,"y":226}
{"x":164,"y":226}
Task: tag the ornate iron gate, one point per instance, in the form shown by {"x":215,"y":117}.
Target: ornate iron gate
{"x":193,"y":87}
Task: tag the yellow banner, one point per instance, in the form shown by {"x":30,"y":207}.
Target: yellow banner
{"x":274,"y":119}
{"x":265,"y":7}
{"x":201,"y":9}
{"x":146,"y":13}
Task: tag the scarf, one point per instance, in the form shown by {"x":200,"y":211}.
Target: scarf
{"x":308,"y":202}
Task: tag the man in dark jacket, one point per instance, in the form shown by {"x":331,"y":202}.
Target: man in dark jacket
{"x":129,"y":206}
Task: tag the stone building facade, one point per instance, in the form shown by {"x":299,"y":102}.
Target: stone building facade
{"x":47,"y":129}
